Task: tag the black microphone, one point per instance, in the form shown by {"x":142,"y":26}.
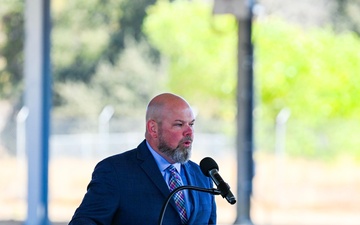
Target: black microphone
{"x":210,"y":169}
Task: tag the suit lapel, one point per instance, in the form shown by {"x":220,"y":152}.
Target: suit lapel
{"x":149,"y":166}
{"x":190,"y":175}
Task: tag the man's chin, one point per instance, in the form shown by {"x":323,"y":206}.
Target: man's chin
{"x":185,"y":157}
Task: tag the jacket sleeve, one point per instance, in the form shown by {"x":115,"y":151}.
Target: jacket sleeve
{"x":99,"y":203}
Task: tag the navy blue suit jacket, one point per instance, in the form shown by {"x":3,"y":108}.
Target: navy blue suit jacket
{"x":128,"y":188}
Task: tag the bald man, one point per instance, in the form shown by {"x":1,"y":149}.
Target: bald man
{"x":131,"y":187}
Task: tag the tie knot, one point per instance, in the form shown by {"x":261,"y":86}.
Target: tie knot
{"x":172,"y":169}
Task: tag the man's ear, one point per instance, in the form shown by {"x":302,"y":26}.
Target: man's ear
{"x":152,"y":128}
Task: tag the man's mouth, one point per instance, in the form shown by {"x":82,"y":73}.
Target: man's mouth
{"x":187,"y":143}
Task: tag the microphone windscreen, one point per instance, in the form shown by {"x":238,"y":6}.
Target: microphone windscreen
{"x":207,"y":164}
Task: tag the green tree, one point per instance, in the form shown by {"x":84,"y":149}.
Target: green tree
{"x":11,"y":48}
{"x":83,"y":34}
{"x":201,"y":54}
{"x":87,"y":36}
{"x":127,"y":86}
{"x":314,"y":73}
{"x":131,"y":20}
{"x":345,"y":16}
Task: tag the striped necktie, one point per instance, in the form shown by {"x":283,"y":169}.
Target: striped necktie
{"x":174,"y":182}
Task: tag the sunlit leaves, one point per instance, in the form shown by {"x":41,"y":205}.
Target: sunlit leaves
{"x":313,"y":72}
{"x":201,"y":49}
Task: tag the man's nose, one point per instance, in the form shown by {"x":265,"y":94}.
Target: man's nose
{"x":189,"y":130}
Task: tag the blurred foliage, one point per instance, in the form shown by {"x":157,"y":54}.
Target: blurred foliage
{"x":101,"y":56}
{"x":313,"y":73}
{"x":11,"y":48}
{"x":102,"y":26}
{"x":84,"y":35}
{"x":80,"y":35}
{"x":127,"y":86}
{"x":134,"y":12}
{"x":89,"y":41}
{"x":201,"y":50}
{"x":346,"y":16}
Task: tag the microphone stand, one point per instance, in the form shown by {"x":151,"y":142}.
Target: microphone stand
{"x":211,"y":191}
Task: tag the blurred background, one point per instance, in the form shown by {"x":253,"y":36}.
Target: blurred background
{"x":110,"y":57}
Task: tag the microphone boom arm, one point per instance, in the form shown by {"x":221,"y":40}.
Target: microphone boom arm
{"x":211,"y":191}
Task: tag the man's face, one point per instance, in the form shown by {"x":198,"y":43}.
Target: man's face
{"x":176,"y":133}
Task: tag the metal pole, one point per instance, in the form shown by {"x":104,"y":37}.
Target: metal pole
{"x":280,"y":131}
{"x":20,"y":134}
{"x":245,"y":107}
{"x":37,"y":100}
{"x":104,"y":128}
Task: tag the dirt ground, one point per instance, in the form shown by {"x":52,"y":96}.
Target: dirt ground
{"x":285,"y":191}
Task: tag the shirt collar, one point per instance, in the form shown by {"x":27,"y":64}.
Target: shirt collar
{"x":162,"y":163}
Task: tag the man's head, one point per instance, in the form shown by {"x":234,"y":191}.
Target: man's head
{"x":170,"y":127}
